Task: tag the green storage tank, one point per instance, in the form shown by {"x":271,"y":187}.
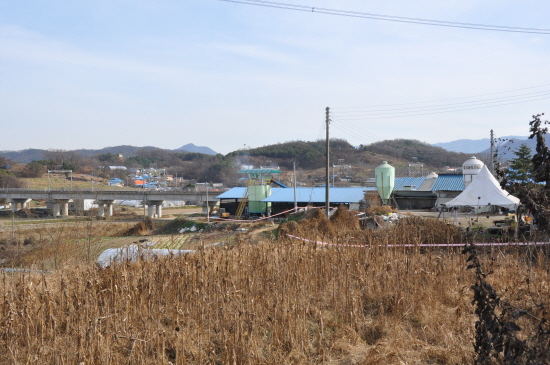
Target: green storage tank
{"x":257,"y":193}
{"x":385,"y":180}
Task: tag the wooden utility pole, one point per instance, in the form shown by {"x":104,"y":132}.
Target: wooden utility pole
{"x":294,"y":186}
{"x":327,"y":177}
{"x":492,"y":167}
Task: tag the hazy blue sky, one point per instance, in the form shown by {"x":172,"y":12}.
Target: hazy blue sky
{"x":92,"y":74}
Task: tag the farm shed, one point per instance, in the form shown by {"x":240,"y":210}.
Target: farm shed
{"x":427,"y":192}
{"x":283,"y":199}
{"x":230,"y":199}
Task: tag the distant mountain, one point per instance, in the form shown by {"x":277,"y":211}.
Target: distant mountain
{"x":28,"y":155}
{"x":472,"y":145}
{"x":417,"y":151}
{"x":190,"y":147}
{"x":124,"y":150}
{"x":23,"y":156}
{"x":506,"y":148}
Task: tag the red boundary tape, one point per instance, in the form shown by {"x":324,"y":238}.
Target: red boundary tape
{"x":260,"y":219}
{"x":428,"y":245}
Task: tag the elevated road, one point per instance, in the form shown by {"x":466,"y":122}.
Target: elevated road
{"x":147,"y":195}
{"x":60,"y":198}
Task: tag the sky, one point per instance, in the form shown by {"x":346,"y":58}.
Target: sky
{"x":95,"y":74}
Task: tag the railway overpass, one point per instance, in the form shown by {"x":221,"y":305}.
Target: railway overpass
{"x":104,"y":198}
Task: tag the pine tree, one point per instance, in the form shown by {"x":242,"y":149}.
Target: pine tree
{"x":521,"y":167}
{"x":541,"y":159}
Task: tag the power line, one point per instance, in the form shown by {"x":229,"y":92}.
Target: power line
{"x":353,"y":130}
{"x":353,"y":134}
{"x":390,"y":18}
{"x":448,"y":99}
{"x":356,"y":133}
{"x":451,"y":108}
{"x":420,"y":113}
{"x":449,"y":105}
{"x":321,"y":132}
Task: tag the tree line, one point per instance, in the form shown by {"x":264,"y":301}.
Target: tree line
{"x":307,"y":155}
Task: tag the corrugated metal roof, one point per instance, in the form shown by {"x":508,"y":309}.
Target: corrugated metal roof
{"x":233,"y":193}
{"x":400,"y":182}
{"x":346,"y":195}
{"x":448,"y":183}
{"x":317,"y":195}
{"x":427,"y":184}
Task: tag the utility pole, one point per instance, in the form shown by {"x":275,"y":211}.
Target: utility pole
{"x":492,"y":167}
{"x":207,"y":206}
{"x":327,"y":181}
{"x":294,"y":185}
{"x":13,"y":223}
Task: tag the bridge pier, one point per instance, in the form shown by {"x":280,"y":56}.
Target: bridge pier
{"x":59,"y":207}
{"x":64,"y":208}
{"x":57,"y":198}
{"x":159,"y":210}
{"x":151,"y":205}
{"x":15,"y":203}
{"x":101,"y":205}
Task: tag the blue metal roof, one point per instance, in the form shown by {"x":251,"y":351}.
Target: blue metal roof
{"x":400,"y":182}
{"x":448,"y":183}
{"x":317,"y":195}
{"x":233,"y":193}
{"x":279,"y":183}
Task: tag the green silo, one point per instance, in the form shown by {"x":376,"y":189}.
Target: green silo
{"x":257,"y":193}
{"x":258,"y":189}
{"x":385,"y":180}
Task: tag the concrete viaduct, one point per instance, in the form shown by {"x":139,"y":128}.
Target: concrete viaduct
{"x":104,"y":198}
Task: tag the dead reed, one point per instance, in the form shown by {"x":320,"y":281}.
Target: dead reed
{"x":281,"y":302}
{"x":51,"y":246}
{"x":343,"y":228}
{"x":272,"y":303}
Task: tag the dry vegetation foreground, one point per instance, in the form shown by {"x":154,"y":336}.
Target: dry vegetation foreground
{"x":274,"y":302}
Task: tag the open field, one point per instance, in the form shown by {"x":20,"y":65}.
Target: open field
{"x":121,"y":214}
{"x":261,"y":300}
{"x":59,"y":181}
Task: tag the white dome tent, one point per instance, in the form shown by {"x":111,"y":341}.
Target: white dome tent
{"x":484,"y":191}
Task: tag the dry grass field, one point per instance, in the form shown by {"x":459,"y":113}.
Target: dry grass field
{"x":270,"y":301}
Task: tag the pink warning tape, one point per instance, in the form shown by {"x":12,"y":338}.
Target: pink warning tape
{"x":427,"y":245}
{"x":251,"y":221}
{"x":261,"y":219}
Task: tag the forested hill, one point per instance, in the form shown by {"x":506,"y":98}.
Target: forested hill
{"x":311,"y":155}
{"x":307,"y":155}
{"x":413,"y":150}
{"x":28,"y":155}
